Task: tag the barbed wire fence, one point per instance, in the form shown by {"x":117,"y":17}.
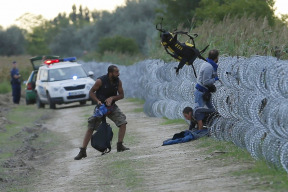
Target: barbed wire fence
{"x":251,"y":97}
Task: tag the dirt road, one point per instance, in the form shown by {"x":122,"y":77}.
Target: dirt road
{"x":146,"y":167}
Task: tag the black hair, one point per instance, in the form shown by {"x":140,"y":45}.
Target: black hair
{"x":213,"y":54}
{"x":111,"y":68}
{"x":187,"y":110}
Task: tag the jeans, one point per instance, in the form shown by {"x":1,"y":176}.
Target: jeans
{"x":199,"y":102}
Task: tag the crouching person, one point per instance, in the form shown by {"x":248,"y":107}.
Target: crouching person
{"x":198,"y":118}
{"x":108,"y":90}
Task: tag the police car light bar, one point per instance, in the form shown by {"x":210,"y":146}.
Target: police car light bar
{"x":71,"y":59}
{"x":52,"y":61}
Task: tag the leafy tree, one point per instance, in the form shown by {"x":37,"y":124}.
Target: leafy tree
{"x":12,"y":41}
{"x":87,"y":15}
{"x":73,"y":15}
{"x":183,"y":11}
{"x":67,"y":42}
{"x":118,"y":44}
{"x":36,"y":42}
{"x":28,"y":21}
{"x":177,"y":12}
{"x":135,"y":20}
{"x":218,"y":9}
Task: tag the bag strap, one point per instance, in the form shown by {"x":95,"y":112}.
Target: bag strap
{"x":106,"y":151}
{"x":103,"y":118}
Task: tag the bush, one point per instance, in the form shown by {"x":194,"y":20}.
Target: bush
{"x":244,"y":36}
{"x":5,"y":87}
{"x":113,"y":57}
{"x":118,"y":44}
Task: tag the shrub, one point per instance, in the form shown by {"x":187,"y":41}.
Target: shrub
{"x":244,"y":36}
{"x":5,"y":87}
{"x":118,"y":44}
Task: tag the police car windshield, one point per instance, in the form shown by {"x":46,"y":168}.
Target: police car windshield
{"x":66,"y":73}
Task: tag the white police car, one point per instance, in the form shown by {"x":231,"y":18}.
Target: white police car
{"x":62,"y":81}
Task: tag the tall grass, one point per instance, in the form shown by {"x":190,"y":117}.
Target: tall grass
{"x":5,"y":87}
{"x":113,"y":57}
{"x":244,"y":36}
{"x":23,"y":64}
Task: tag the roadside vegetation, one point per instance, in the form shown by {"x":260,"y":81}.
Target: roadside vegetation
{"x":265,"y":177}
{"x":128,"y":35}
{"x":240,"y":28}
{"x":23,"y":143}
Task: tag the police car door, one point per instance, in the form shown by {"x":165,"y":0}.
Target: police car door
{"x":42,"y":84}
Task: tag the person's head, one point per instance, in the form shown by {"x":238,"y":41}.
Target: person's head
{"x":113,"y":72}
{"x":214,"y":55}
{"x":187,"y":112}
{"x":14,"y":64}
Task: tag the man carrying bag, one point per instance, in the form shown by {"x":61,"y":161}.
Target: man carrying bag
{"x":108,"y":90}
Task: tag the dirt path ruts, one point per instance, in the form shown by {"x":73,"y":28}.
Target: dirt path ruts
{"x":146,"y":167}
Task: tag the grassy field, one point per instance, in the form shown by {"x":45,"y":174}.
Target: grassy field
{"x":267,"y":177}
{"x":5,"y":87}
{"x":23,"y":64}
{"x":14,"y":138}
{"x":113,"y":57}
{"x":234,"y":37}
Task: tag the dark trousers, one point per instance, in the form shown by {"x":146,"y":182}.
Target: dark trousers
{"x":16,"y":93}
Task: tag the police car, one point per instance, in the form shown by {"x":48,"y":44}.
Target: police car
{"x":62,"y":81}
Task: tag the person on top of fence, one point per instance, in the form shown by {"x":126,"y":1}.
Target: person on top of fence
{"x":108,"y":90}
{"x":205,"y":81}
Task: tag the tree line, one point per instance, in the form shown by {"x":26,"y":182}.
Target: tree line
{"x":126,"y":30}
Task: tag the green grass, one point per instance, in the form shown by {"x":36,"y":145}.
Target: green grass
{"x":173,"y":121}
{"x":23,"y":64}
{"x":113,"y":57}
{"x":139,"y":102}
{"x":20,"y":117}
{"x":238,"y":39}
{"x":138,"y":110}
{"x":136,"y":100}
{"x":121,"y":167}
{"x":5,"y":87}
{"x":266,"y":177}
{"x":269,"y":177}
{"x":125,"y":169}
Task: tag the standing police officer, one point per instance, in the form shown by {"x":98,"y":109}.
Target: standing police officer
{"x":16,"y":84}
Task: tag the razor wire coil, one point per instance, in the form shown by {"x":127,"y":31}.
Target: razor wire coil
{"x":251,"y":97}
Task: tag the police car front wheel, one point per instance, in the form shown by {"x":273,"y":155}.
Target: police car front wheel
{"x":51,"y":104}
{"x":39,"y":103}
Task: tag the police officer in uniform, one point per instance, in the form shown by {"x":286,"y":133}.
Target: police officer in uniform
{"x":108,"y":90}
{"x":15,"y":83}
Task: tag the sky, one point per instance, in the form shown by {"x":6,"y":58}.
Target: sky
{"x":10,"y":10}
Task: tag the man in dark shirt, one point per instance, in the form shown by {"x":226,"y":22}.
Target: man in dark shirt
{"x":108,"y":90}
{"x":15,"y":83}
{"x":197,"y":117}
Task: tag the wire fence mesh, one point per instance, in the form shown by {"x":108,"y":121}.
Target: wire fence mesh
{"x":251,"y":98}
